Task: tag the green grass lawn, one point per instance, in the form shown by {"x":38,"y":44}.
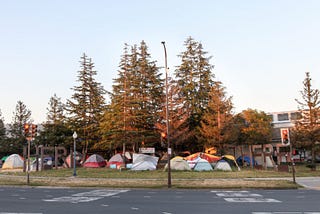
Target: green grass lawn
{"x":104,"y":177}
{"x":301,"y":170}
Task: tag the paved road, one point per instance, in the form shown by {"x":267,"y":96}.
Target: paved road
{"x":19,"y":200}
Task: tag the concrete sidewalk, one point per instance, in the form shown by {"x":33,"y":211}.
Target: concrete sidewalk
{"x":309,"y":182}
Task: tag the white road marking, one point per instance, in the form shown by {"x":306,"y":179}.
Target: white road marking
{"x":134,"y":208}
{"x":252,"y":200}
{"x":86,"y":196}
{"x":243,"y":196}
{"x":72,"y":199}
{"x":18,"y":213}
{"x":238,"y":194}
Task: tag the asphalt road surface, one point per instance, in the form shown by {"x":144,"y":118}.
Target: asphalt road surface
{"x":18,"y":200}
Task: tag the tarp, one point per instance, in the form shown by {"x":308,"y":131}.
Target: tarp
{"x":95,"y":161}
{"x":223,"y":165}
{"x":203,"y":165}
{"x":144,"y":162}
{"x":208,"y":157}
{"x":178,"y":163}
{"x":14,"y":161}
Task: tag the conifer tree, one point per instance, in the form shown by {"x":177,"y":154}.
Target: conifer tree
{"x":21,"y":116}
{"x":194,"y":77}
{"x":136,"y":99}
{"x":55,"y":131}
{"x":86,"y":106}
{"x":216,"y":121}
{"x":2,"y":128}
{"x":306,"y":132}
{"x":3,"y":138}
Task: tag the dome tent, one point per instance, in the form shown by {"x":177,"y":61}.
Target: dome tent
{"x":95,"y":161}
{"x":14,"y":161}
{"x":203,"y":165}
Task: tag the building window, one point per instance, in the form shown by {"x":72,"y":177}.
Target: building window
{"x":295,"y":116}
{"x":283,"y":117}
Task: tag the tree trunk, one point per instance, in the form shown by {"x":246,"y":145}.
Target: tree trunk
{"x":251,"y":156}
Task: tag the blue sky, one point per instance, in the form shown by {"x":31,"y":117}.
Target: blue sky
{"x":260,"y":49}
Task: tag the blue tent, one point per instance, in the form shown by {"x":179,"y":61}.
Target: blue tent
{"x":246,"y":160}
{"x":203,"y":165}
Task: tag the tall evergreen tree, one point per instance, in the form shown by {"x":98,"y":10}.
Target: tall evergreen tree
{"x":306,"y":132}
{"x":87,"y":104}
{"x":216,"y":121}
{"x":194,"y":77}
{"x":21,"y":116}
{"x":3,"y":138}
{"x":2,"y":128}
{"x":136,"y":99}
{"x":55,"y":131}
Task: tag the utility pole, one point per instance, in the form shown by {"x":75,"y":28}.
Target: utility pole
{"x":167,"y":117}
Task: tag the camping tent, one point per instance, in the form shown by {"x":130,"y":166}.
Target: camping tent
{"x":203,"y":165}
{"x":116,"y":161}
{"x":178,"y":163}
{"x":246,"y":159}
{"x":144,"y":162}
{"x":95,"y":161}
{"x":68,"y":160}
{"x":231,"y":160}
{"x":223,"y":165}
{"x":14,"y":161}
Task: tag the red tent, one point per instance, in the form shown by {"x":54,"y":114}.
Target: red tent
{"x":95,"y":161}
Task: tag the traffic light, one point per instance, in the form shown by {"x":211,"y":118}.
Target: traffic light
{"x":34,"y":130}
{"x":285,"y":139}
{"x":26,"y":128}
{"x":163,"y":136}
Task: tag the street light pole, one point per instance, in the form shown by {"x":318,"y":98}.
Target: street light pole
{"x":167,"y":116}
{"x":74,"y":153}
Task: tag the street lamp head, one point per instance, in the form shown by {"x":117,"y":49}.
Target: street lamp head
{"x":163,"y":42}
{"x":74,"y":135}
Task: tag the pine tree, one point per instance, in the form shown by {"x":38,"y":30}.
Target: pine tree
{"x":87,"y":104}
{"x":217,"y":118}
{"x":136,"y":99}
{"x":22,"y":115}
{"x":3,"y":138}
{"x":306,"y":132}
{"x":194,"y":77}
{"x":2,"y":128}
{"x":55,"y":131}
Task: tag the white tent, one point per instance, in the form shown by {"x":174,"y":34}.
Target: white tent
{"x":178,"y":163}
{"x":144,"y":162}
{"x":14,"y":161}
{"x":203,"y":165}
{"x":223,"y":165}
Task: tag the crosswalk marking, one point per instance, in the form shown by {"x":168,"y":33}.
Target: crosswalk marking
{"x":244,"y":197}
{"x":86,"y":196}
